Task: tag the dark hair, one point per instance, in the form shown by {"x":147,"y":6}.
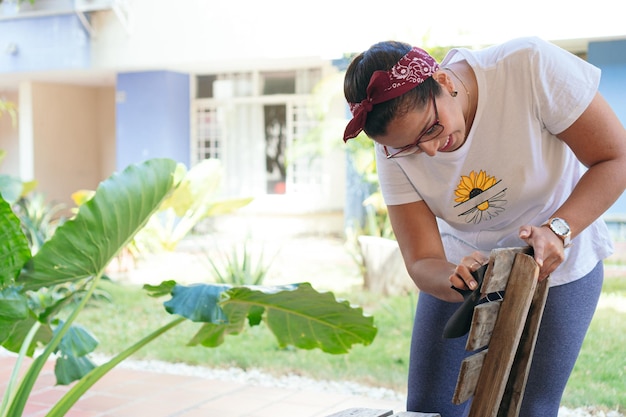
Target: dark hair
{"x":382,"y":57}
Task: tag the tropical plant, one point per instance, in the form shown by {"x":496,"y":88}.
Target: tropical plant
{"x":39,"y":218}
{"x":377,"y":221}
{"x":8,"y":107}
{"x":194,"y":200}
{"x":239,"y":267}
{"x":35,"y":319}
{"x":12,"y":188}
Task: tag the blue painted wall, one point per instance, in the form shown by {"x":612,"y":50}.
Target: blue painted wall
{"x":610,"y":57}
{"x":44,"y":43}
{"x":152,"y":117}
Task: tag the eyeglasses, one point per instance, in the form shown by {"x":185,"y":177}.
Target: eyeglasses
{"x":430,"y":134}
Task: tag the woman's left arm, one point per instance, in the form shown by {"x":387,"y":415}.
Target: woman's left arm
{"x":598,"y":139}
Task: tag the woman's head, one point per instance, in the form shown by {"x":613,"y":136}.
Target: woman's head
{"x":384,"y":82}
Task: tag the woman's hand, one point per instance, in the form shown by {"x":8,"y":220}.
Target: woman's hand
{"x":548,"y":248}
{"x":462,"y":277}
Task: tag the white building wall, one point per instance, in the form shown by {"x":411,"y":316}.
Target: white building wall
{"x":199,"y":38}
{"x":217,"y":36}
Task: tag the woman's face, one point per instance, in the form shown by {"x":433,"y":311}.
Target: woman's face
{"x":438,"y":127}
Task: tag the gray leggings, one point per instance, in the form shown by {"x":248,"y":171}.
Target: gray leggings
{"x":435,"y":361}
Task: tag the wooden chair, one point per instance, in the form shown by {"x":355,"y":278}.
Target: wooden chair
{"x":495,"y":376}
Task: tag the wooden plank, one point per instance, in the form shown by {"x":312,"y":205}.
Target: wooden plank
{"x":362,"y":412}
{"x":483,"y":321}
{"x":372,"y":412}
{"x":514,"y":392}
{"x":501,"y":261}
{"x":497,"y":274}
{"x":468,"y":377}
{"x":508,"y":328}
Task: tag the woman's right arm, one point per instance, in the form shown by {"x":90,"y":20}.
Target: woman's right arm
{"x":416,"y":231}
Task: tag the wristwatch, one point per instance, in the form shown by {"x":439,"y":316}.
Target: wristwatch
{"x":560,"y":228}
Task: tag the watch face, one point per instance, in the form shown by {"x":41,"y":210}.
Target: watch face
{"x":560,"y":227}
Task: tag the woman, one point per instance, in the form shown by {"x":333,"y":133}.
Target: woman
{"x":503,"y":147}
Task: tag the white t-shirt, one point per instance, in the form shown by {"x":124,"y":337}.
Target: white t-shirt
{"x":512,"y":169}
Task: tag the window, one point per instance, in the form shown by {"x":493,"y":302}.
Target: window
{"x":255,"y":135}
{"x":204,"y":86}
{"x":278,"y":83}
{"x":209,"y":134}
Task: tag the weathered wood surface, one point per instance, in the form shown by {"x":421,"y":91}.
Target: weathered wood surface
{"x":483,"y":322}
{"x":512,"y":398}
{"x":507,"y":333}
{"x":468,"y":377}
{"x":500,"y":264}
{"x":496,"y":377}
{"x":496,"y":278}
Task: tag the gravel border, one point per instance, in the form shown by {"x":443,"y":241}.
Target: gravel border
{"x":257,"y":377}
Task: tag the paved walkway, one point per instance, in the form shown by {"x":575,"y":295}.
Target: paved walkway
{"x":127,"y":392}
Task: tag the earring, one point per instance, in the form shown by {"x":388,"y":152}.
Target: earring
{"x":454,"y":93}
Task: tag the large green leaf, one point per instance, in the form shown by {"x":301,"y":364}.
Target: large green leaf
{"x":305,"y":318}
{"x":11,"y":188}
{"x":164,"y":288}
{"x":78,"y":341}
{"x":83,"y":246}
{"x":14,"y":250}
{"x":73,"y":363}
{"x":296,"y":314}
{"x":212,"y":335}
{"x":72,"y":368}
{"x":18,"y":331}
{"x":226,"y":206}
{"x":6,"y":328}
{"x":198,"y":302}
{"x":13,"y":309}
{"x":193,"y":200}
{"x":13,"y":304}
{"x":197,"y":189}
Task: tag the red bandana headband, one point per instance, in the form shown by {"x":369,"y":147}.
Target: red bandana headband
{"x":412,"y":69}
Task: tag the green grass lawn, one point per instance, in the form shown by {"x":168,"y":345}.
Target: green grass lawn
{"x":599,"y":377}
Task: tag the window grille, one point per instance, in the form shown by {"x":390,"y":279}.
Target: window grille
{"x":209,"y":134}
{"x":304,"y":170}
{"x":232,"y":126}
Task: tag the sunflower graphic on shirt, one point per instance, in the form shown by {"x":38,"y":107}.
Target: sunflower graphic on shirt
{"x":479,"y":196}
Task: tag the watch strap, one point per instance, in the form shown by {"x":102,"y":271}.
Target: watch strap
{"x":565,"y":238}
